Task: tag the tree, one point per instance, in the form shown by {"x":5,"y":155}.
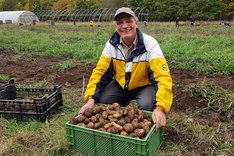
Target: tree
{"x":113,"y":3}
{"x":164,"y":10}
{"x":32,"y":5}
{"x":46,"y":4}
{"x":135,"y":3}
{"x":209,"y":9}
{"x":230,"y":9}
{"x":8,"y":5}
{"x":60,"y":5}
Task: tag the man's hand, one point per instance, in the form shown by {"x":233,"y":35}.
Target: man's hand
{"x":89,"y":104}
{"x":159,"y":117}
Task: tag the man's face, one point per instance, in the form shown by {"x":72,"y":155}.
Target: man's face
{"x":126,"y":27}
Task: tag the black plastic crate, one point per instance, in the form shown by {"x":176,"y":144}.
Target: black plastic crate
{"x":8,"y":89}
{"x":38,"y":108}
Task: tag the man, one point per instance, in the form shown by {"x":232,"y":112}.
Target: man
{"x":192,"y":20}
{"x":177,"y":21}
{"x":131,"y":66}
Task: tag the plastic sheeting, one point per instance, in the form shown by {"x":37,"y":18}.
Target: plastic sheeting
{"x":20,"y":17}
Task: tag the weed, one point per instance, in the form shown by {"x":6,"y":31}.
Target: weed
{"x":3,"y":77}
{"x":217,"y":98}
{"x":65,"y":65}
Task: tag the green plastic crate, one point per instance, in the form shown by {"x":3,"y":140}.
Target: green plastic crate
{"x":93,"y":142}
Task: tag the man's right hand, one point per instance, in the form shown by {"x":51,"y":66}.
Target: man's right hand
{"x":89,"y":104}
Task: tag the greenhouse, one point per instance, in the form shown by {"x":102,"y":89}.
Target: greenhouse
{"x":19,"y":17}
{"x":82,"y":15}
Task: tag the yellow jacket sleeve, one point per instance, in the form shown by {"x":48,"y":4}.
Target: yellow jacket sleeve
{"x":163,"y":81}
{"x":101,"y":76}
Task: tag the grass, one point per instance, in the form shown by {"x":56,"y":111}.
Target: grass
{"x":67,"y":64}
{"x":206,"y":49}
{"x":3,"y":77}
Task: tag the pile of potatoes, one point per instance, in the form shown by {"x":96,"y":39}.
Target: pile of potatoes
{"x":115,"y":119}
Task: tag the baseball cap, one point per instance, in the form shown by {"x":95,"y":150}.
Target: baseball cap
{"x":124,"y":10}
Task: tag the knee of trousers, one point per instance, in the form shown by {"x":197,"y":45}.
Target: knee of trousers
{"x":146,"y":105}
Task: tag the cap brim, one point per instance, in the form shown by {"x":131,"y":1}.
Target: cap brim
{"x":122,"y":15}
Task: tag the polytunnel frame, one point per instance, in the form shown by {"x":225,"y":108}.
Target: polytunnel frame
{"x":81,"y":15}
{"x":20,"y":17}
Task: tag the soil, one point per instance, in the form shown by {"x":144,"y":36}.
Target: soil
{"x":27,"y":69}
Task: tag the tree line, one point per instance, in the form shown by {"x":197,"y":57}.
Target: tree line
{"x":159,"y":10}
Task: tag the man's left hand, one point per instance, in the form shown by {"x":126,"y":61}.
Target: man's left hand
{"x":159,"y":118}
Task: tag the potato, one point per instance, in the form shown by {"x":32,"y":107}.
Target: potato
{"x":135,"y":123}
{"x":97,"y":125}
{"x":103,"y":121}
{"x":98,"y":115}
{"x":111,"y":112}
{"x":110,"y":107}
{"x":88,"y":112}
{"x":148,"y":123}
{"x":127,"y":120}
{"x":81,"y":118}
{"x":139,"y":132}
{"x":90,"y":125}
{"x":131,"y":107}
{"x":103,"y":108}
{"x":108,"y":125}
{"x":125,"y":112}
{"x":149,"y":119}
{"x":117,"y":115}
{"x":113,"y":130}
{"x":120,"y":128}
{"x":102,"y":129}
{"x":81,"y":124}
{"x":116,"y":105}
{"x":96,"y":109}
{"x":110,"y":117}
{"x":121,"y":122}
{"x":141,"y":125}
{"x":105,"y":115}
{"x":113,"y":119}
{"x":124,"y":133}
{"x":73,"y":121}
{"x":135,"y":120}
{"x":94,"y":119}
{"x":131,"y":116}
{"x":147,"y":129}
{"x":131,"y":112}
{"x":141,"y":112}
{"x":132,"y":135}
{"x":140,"y":118}
{"x":128,"y":127}
{"x":121,"y":111}
{"x":86,"y":121}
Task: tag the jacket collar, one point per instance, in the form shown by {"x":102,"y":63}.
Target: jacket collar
{"x":140,"y":47}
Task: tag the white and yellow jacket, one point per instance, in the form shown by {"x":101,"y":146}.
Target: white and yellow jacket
{"x":146,"y":65}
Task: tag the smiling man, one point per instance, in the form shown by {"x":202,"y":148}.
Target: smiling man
{"x":131,"y":66}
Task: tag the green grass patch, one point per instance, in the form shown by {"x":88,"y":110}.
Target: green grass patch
{"x":3,"y":77}
{"x":67,"y":64}
{"x":207,"y":49}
